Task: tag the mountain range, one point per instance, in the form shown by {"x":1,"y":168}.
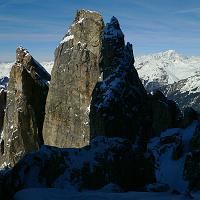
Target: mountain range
{"x":176,"y":75}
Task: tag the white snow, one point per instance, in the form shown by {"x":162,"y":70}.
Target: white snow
{"x":170,"y":171}
{"x":67,"y":38}
{"x":80,"y":21}
{"x":6,"y":67}
{"x":87,"y":111}
{"x":191,"y":84}
{"x":68,"y":194}
{"x":168,"y":67}
{"x":111,"y":32}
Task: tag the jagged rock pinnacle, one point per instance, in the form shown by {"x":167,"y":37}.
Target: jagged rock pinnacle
{"x":24,"y":114}
{"x":74,"y":75}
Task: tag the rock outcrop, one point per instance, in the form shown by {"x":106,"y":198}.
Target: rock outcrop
{"x":118,"y":101}
{"x":74,"y":75}
{"x":104,"y":161}
{"x":4,"y":82}
{"x":165,"y":113}
{"x":3,"y":94}
{"x":195,"y":141}
{"x":120,"y":105}
{"x":192,"y":170}
{"x":25,"y":108}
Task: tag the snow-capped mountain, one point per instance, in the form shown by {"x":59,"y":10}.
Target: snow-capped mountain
{"x":166,"y":68}
{"x":5,"y":69}
{"x":177,"y":76}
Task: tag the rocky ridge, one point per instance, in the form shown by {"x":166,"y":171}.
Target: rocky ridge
{"x":24,"y":113}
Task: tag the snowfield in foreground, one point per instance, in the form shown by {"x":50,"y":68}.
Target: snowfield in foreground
{"x":61,"y":194}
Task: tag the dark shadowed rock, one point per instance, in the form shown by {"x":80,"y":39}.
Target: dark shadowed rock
{"x":74,"y":75}
{"x":192,"y":170}
{"x":104,"y":161}
{"x":189,"y":115}
{"x":4,"y":82}
{"x":3,"y":93}
{"x":195,"y":141}
{"x":24,"y":115}
{"x":112,"y":51}
{"x":118,"y":100}
{"x":165,"y":113}
{"x":157,"y":187}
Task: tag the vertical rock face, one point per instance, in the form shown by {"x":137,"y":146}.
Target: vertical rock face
{"x":2,"y":106}
{"x":165,"y":113}
{"x":74,"y":75}
{"x":113,"y":51}
{"x":3,"y":93}
{"x":24,"y":115}
{"x":118,"y":101}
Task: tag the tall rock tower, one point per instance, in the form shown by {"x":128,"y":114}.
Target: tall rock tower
{"x":74,"y":75}
{"x":117,"y":107}
{"x":25,"y":108}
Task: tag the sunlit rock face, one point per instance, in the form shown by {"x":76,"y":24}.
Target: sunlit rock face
{"x":24,"y":114}
{"x":74,"y":75}
{"x":2,"y":106}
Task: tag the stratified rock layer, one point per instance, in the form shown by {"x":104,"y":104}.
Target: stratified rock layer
{"x":74,"y":75}
{"x":24,"y":115}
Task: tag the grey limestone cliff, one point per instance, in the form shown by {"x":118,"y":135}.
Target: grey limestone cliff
{"x":74,"y":75}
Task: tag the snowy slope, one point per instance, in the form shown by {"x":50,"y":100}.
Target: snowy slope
{"x":6,"y":67}
{"x":167,"y":68}
{"x":60,"y":194}
{"x":177,"y":76}
{"x":169,"y":170}
{"x":185,"y":92}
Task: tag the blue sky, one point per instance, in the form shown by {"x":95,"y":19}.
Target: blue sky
{"x":150,"y":25}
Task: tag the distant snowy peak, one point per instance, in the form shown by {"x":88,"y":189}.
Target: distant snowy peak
{"x":170,"y":55}
{"x":177,"y":76}
{"x":6,"y":67}
{"x":166,"y":68}
{"x":48,"y":65}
